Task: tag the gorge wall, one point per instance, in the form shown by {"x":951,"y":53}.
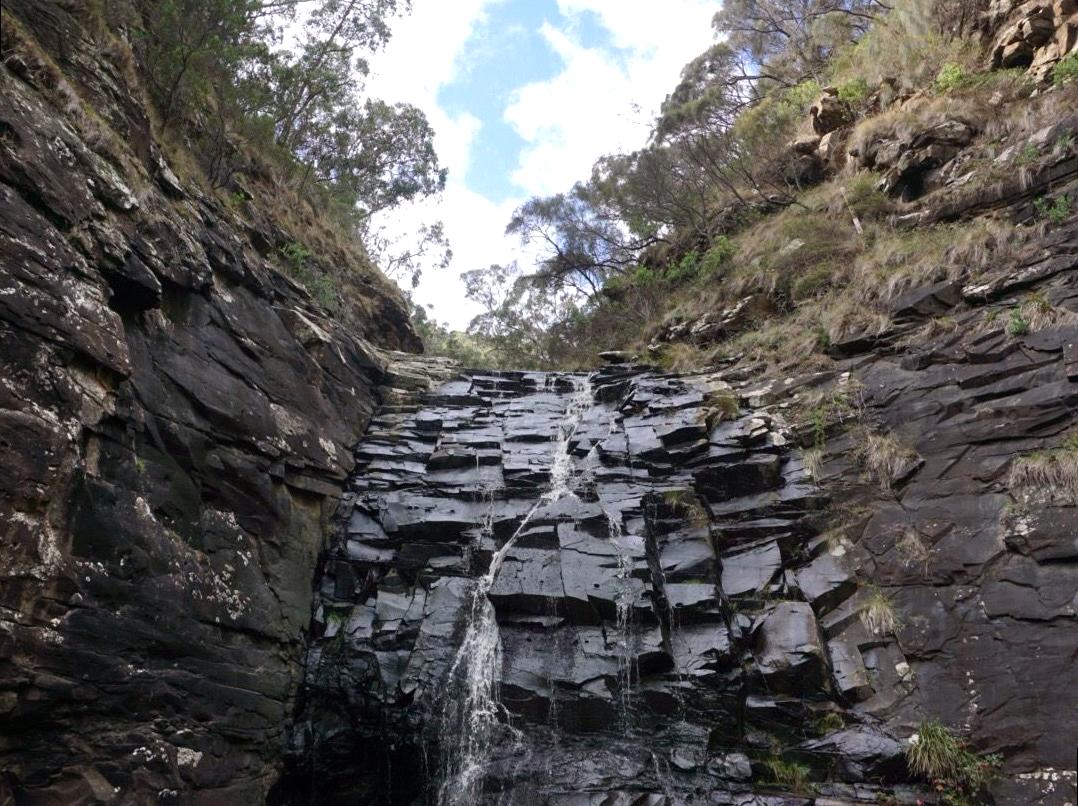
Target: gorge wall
{"x":176,"y":425}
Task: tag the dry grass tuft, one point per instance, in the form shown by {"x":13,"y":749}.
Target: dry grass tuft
{"x":813,"y":461}
{"x":886,"y":458}
{"x":878,"y":614}
{"x":1052,"y":473}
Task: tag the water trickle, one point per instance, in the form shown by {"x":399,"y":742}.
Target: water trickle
{"x":472,"y":716}
{"x":624,"y":597}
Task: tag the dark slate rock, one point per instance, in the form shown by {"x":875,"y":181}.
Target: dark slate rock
{"x":861,"y":753}
{"x":788,"y":649}
{"x":825,"y":582}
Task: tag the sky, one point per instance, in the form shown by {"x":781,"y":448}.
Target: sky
{"x":523,"y":96}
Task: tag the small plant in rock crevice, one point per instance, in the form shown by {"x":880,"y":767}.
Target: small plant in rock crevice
{"x":829,"y":723}
{"x":1066,"y":69}
{"x":1017,"y":324}
{"x":1053,"y":473}
{"x":886,"y":458}
{"x":721,"y":405}
{"x":813,"y":461}
{"x":1056,"y":210}
{"x":878,"y":614}
{"x":788,"y":774}
{"x":959,"y":775}
{"x":1028,"y":155}
{"x":320,"y":285}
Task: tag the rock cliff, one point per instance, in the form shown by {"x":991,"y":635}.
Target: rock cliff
{"x":176,"y":425}
{"x":251,"y":552}
{"x":663,"y":622}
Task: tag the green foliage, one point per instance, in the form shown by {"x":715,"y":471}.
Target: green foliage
{"x":1028,"y":155}
{"x":1056,"y":210}
{"x":911,"y":44}
{"x":790,"y":41}
{"x":943,"y":759}
{"x":685,"y":270}
{"x":788,"y":774}
{"x":777,"y":113}
{"x":1066,"y":69}
{"x":642,"y":277}
{"x":215,"y":69}
{"x":950,"y":77}
{"x":1017,"y":324}
{"x":829,"y":723}
{"x":320,"y":285}
{"x":853,"y":92}
{"x":718,"y":255}
{"x":295,"y":256}
{"x":469,"y":350}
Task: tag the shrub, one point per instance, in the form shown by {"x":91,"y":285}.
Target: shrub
{"x":1066,"y":69}
{"x":1055,"y":210}
{"x":643,"y":277}
{"x":1017,"y":324}
{"x":320,"y":285}
{"x":685,"y":270}
{"x":936,"y":754}
{"x":720,"y":253}
{"x":853,"y":92}
{"x":950,"y":77}
{"x":295,"y":255}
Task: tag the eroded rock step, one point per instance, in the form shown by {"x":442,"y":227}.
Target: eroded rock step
{"x":668,"y":632}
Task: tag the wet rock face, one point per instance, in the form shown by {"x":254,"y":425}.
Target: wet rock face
{"x":665,"y":624}
{"x":176,"y":425}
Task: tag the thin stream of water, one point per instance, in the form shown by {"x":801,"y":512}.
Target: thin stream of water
{"x":472,"y":713}
{"x":624,"y":597}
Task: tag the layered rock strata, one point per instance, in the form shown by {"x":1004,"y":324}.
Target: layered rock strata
{"x":176,"y":426}
{"x":672,"y":628}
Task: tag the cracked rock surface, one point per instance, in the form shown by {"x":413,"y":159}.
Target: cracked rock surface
{"x":663,"y":628}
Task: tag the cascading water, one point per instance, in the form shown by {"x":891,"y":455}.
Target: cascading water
{"x":471,"y":716}
{"x":624,"y":598}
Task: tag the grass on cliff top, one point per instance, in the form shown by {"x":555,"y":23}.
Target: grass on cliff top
{"x":822,"y":282}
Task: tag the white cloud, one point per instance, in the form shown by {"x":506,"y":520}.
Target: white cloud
{"x":568,"y":121}
{"x":602,"y":101}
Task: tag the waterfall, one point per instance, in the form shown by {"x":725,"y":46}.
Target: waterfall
{"x":471,"y":715}
{"x":623,"y":598}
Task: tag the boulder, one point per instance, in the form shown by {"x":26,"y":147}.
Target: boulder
{"x":829,"y":112}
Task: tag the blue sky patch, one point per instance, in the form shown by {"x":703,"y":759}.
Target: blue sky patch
{"x":502,"y":55}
